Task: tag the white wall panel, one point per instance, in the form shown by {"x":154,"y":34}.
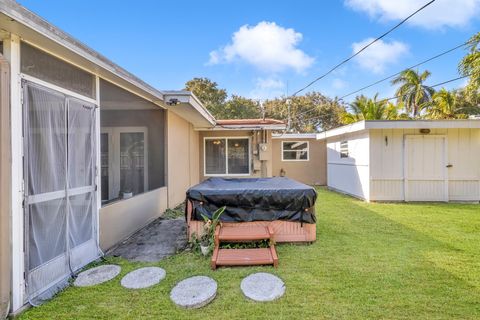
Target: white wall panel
{"x":351,"y":174}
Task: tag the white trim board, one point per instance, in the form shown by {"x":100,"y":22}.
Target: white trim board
{"x":400,"y":124}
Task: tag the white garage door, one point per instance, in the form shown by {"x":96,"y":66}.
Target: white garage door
{"x":425,"y":168}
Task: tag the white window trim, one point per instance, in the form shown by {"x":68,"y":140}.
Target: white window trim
{"x":295,"y":160}
{"x":226,"y":158}
{"x":114,"y":158}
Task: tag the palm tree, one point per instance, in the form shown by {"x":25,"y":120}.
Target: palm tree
{"x":470,"y":66}
{"x":364,"y":108}
{"x":412,"y":92}
{"x":446,"y":105}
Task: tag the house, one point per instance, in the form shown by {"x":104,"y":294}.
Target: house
{"x":406,"y":160}
{"x":300,"y":156}
{"x":89,"y":154}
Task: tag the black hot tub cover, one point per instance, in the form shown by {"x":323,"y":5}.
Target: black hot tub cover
{"x":254,"y":199}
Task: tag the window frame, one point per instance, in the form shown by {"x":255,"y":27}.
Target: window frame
{"x":226,"y":174}
{"x":297,"y":141}
{"x":114,"y":167}
{"x":343,"y":154}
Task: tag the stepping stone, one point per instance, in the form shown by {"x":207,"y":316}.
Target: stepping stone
{"x":262,"y":287}
{"x":143,"y":278}
{"x":194,"y":292}
{"x":97,"y":275}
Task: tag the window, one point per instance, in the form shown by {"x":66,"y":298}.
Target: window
{"x":227,"y":156}
{"x":124,"y":162}
{"x":295,"y":151}
{"x":132,"y":144}
{"x":344,"y":149}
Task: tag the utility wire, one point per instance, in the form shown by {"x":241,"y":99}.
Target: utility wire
{"x":393,"y":75}
{"x":362,"y":49}
{"x":398,"y":97}
{"x":409,"y":68}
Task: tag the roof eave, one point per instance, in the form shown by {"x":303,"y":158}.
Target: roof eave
{"x":29,"y":20}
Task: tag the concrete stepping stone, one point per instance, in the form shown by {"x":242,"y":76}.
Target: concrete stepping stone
{"x":262,"y":287}
{"x":97,"y":275}
{"x":194,"y":292}
{"x":143,"y":278}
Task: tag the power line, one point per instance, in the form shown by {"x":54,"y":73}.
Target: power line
{"x":398,"y":97}
{"x":409,"y":68}
{"x":362,"y":49}
{"x":393,"y":75}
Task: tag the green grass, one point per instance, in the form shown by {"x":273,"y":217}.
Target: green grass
{"x":380,"y":261}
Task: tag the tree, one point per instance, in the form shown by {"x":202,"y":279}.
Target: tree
{"x":470,"y":66}
{"x":240,"y":108}
{"x":209,"y":94}
{"x":448,"y":105}
{"x":308,"y":113}
{"x":364,"y":108}
{"x":414,"y":95}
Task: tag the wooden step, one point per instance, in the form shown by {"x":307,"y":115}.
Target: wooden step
{"x":244,"y":257}
{"x":242,"y":234}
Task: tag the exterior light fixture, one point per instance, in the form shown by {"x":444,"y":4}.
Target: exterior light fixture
{"x":173,"y":102}
{"x":425,"y":131}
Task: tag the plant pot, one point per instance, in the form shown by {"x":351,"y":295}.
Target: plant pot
{"x":127,"y":195}
{"x":205,"y":250}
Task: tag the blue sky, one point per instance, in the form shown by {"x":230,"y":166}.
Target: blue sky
{"x":262,"y":49}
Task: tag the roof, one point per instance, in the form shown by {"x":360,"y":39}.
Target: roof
{"x":400,"y":124}
{"x":247,"y":124}
{"x":249,"y":121}
{"x":35,"y":30}
{"x":295,"y":136}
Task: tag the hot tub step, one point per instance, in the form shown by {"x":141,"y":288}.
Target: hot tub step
{"x":241,"y":234}
{"x":244,"y":257}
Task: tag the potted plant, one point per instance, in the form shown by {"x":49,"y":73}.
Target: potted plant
{"x":208,"y":235}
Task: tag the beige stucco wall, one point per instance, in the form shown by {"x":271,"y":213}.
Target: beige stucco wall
{"x":255,"y":138}
{"x":121,"y":219}
{"x":182,"y":154}
{"x":312,"y":172}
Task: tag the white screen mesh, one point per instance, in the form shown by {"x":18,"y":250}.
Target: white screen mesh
{"x":61,"y":214}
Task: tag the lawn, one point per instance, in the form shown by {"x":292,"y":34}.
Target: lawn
{"x":387,"y":261}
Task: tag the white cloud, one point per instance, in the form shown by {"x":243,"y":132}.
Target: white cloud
{"x":442,"y":13}
{"x":378,"y":55}
{"x":267,"y":88}
{"x":267,"y":46}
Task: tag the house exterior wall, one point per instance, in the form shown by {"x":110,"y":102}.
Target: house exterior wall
{"x":183,"y":153}
{"x":312,"y":172}
{"x":121,"y":219}
{"x":387,"y":163}
{"x":5,"y":188}
{"x":255,"y":138}
{"x":350,"y":175}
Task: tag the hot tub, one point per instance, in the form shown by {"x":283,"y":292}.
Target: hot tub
{"x":284,"y":204}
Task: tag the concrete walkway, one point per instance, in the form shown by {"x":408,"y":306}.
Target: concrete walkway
{"x":160,"y":239}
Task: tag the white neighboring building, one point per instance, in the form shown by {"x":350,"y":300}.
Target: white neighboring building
{"x":407,"y":160}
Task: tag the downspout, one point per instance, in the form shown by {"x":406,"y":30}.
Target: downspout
{"x":5,"y":189}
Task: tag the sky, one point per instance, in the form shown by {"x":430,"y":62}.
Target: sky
{"x":264,"y":49}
